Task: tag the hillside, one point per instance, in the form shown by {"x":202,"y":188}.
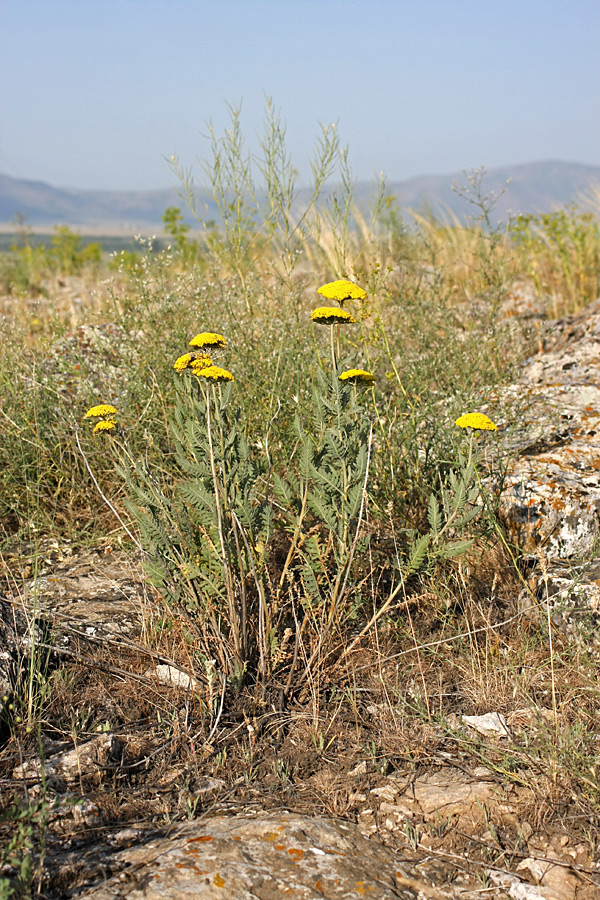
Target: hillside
{"x":534,"y":187}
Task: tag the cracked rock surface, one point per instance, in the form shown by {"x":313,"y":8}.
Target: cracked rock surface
{"x":275,"y":855}
{"x":551,"y":496}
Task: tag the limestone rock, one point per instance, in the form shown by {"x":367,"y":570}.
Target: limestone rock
{"x":551,"y":494}
{"x":73,"y":765}
{"x":259,"y":858}
{"x":100,"y":593}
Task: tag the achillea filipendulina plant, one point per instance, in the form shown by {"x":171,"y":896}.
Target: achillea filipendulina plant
{"x":204,"y":534}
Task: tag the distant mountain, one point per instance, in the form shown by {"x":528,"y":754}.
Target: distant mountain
{"x":534,"y":187}
{"x":44,"y":205}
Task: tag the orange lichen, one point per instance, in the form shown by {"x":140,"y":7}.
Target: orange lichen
{"x":218,"y":880}
{"x":200,"y":840}
{"x":296,"y":853}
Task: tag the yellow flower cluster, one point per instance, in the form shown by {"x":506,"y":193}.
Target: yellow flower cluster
{"x":106,"y":413}
{"x":478,"y":421}
{"x":342,"y":290}
{"x":334,"y":315}
{"x":193,"y":361}
{"x":215,"y":373}
{"x":101,"y":411}
{"x":183,"y":362}
{"x":208,"y":341}
{"x":331,"y":315}
{"x":104,"y":425}
{"x":201,"y":363}
{"x":353,"y":376}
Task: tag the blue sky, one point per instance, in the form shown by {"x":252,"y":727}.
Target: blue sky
{"x":95,"y":93}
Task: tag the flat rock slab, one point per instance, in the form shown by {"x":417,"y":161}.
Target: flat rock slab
{"x":263,"y":858}
{"x":102,"y":593}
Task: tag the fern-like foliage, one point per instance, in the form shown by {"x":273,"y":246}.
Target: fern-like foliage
{"x":332,"y":464}
{"x":207,"y":534}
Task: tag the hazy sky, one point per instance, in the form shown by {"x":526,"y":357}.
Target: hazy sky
{"x":96,"y":92}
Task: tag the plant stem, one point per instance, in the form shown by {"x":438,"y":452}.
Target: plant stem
{"x":224,"y":557}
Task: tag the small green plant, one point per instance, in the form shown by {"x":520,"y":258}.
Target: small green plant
{"x":68,"y":256}
{"x":188,"y":250}
{"x":24,"y":852}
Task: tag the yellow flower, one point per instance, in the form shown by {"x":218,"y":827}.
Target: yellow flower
{"x":214,"y":373}
{"x":208,"y":341}
{"x":104,"y":425}
{"x":342,"y":290}
{"x":201,"y":362}
{"x":102,"y":410}
{"x":355,"y":375}
{"x":331,"y":315}
{"x":476,"y":420}
{"x":183,"y":362}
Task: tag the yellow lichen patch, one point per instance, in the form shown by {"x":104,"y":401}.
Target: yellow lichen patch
{"x":478,"y":421}
{"x":342,"y":290}
{"x":218,"y":880}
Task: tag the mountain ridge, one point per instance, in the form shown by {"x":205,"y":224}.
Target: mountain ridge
{"x":534,"y":187}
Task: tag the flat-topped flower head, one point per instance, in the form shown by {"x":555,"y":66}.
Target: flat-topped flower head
{"x":208,"y":341}
{"x":214,"y":373}
{"x":104,"y":425}
{"x":183,"y":362}
{"x":101,"y":411}
{"x":342,"y":290}
{"x":201,"y":362}
{"x":354,"y":376}
{"x":331,"y":315}
{"x":478,"y":421}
